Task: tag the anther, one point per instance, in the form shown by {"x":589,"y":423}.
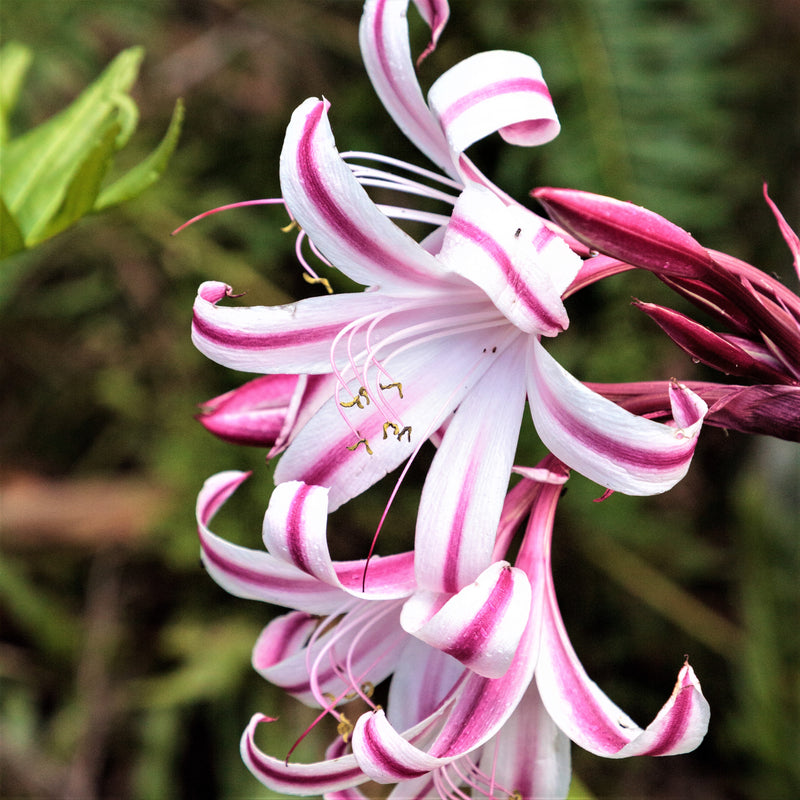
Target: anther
{"x":361,"y":441}
{"x":393,"y":425}
{"x":356,"y":401}
{"x":406,"y":430}
{"x":345,"y":728}
{"x":290,"y":227}
{"x":324,"y":281}
{"x":515,"y":795}
{"x":398,"y":386}
{"x":368,"y":689}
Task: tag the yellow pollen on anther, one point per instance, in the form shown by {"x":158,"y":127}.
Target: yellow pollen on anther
{"x":515,"y":796}
{"x":406,"y":430}
{"x":356,"y":401}
{"x":331,"y":698}
{"x":368,"y":688}
{"x":398,"y":386}
{"x":324,"y":281}
{"x":345,"y":728}
{"x":393,"y":425}
{"x":290,"y":227}
{"x":361,"y":441}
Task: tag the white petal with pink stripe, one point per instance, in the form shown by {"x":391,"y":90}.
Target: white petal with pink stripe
{"x":498,"y":90}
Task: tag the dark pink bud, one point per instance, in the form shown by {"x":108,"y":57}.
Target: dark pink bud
{"x":627,"y":232}
{"x":707,"y":347}
{"x":254,"y":414}
{"x":770,"y":410}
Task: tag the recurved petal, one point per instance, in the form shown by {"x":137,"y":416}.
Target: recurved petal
{"x":297,"y":779}
{"x":255,"y":574}
{"x":481,"y":625}
{"x":327,"y":201}
{"x":362,"y":648}
{"x":470,"y":716}
{"x":385,"y":49}
{"x":580,"y":708}
{"x":498,"y":90}
{"x":295,"y":531}
{"x":510,"y":254}
{"x":602,"y":441}
{"x":530,"y":756}
{"x":291,"y":338}
{"x":283,"y":638}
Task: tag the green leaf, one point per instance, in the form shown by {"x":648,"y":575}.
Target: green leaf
{"x":38,"y":167}
{"x":80,"y":195}
{"x":11,"y":239}
{"x":146,"y":172}
{"x":15,"y":59}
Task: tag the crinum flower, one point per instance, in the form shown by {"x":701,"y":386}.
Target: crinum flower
{"x":453,"y":323}
{"x":485,"y":688}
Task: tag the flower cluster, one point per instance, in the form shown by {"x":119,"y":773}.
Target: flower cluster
{"x":445,"y":345}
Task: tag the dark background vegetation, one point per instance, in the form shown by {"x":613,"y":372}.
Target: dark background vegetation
{"x":125,"y":671}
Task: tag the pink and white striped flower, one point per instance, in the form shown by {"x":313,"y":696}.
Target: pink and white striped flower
{"x":454,"y":323}
{"x":484,"y":698}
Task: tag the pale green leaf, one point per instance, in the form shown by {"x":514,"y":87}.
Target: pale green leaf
{"x":38,"y":167}
{"x":81,"y":194}
{"x":11,"y":239}
{"x":146,"y":172}
{"x":15,"y":59}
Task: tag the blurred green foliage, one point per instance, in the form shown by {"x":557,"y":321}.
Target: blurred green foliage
{"x":53,"y":175}
{"x":125,"y":670}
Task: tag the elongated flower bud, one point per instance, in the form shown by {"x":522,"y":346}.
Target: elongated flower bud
{"x":710,"y":348}
{"x":265,"y":412}
{"x":253,"y":414}
{"x":627,"y":232}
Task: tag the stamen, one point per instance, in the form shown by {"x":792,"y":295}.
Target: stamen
{"x":478,"y":781}
{"x":365,"y":442}
{"x":397,"y":385}
{"x":307,"y":268}
{"x":431,"y":428}
{"x":335,"y":629}
{"x":446,"y":786}
{"x":344,"y":728}
{"x":379,"y":179}
{"x":324,"y":281}
{"x":404,"y":165}
{"x":406,"y":430}
{"x":395,"y":429}
{"x":414,"y":215}
{"x":356,"y":401}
